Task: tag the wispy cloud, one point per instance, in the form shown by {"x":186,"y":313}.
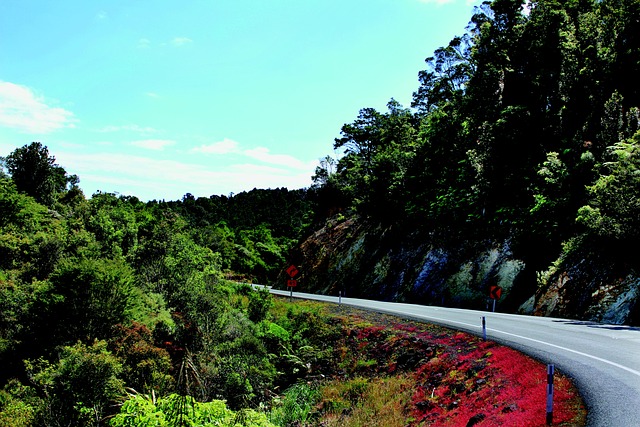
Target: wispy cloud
{"x":438,"y":2}
{"x":261,"y":154}
{"x":152,"y":95}
{"x":22,"y":109}
{"x":226,"y":146}
{"x":102,"y":15}
{"x":149,"y":178}
{"x":443,"y":2}
{"x":264,"y":155}
{"x":153,"y":144}
{"x":181,"y":41}
{"x":128,"y":128}
{"x":144,"y":43}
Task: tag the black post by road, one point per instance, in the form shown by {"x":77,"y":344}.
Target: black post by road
{"x":550,"y":370}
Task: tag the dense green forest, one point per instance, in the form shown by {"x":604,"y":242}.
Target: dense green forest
{"x":109,"y":297}
{"x":523,"y":128}
{"x":526,"y":127}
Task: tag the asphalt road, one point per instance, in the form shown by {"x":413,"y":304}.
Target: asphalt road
{"x":603,"y":360}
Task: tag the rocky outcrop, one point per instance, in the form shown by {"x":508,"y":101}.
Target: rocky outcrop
{"x":590,"y":290}
{"x":364,"y":260}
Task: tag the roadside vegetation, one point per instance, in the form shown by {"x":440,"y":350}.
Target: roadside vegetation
{"x":121,"y":313}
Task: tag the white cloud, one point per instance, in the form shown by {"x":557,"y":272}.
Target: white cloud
{"x":226,"y":146}
{"x":181,"y":41}
{"x":152,"y":95}
{"x":102,"y":15}
{"x":438,"y":2}
{"x":144,"y":43}
{"x":153,"y":144}
{"x":148,"y":178}
{"x":262,"y":154}
{"x":130,"y":128}
{"x":22,"y":109}
{"x":443,"y":2}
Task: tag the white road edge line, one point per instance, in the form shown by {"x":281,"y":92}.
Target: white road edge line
{"x":617,"y":365}
{"x":599,"y":359}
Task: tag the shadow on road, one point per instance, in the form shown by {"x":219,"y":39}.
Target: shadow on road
{"x":598,"y":325}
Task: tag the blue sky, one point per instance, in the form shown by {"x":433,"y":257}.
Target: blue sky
{"x":159,"y":98}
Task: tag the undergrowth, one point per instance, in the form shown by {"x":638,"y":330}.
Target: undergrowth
{"x":386,"y":371}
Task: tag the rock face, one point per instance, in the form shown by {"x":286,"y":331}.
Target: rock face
{"x":367,"y":261}
{"x":362,"y":260}
{"x":589,"y":290}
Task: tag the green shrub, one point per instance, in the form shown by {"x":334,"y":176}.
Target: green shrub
{"x":296,"y":406}
{"x":19,"y":405}
{"x":80,"y":387}
{"x":175,"y":410}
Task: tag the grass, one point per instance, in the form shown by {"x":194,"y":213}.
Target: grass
{"x":393,"y":372}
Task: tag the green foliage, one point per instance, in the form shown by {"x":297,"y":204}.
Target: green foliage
{"x":19,"y":405}
{"x":95,"y":296}
{"x":146,"y":367}
{"x":260,"y":301}
{"x":614,"y":211}
{"x":113,"y":222}
{"x":80,"y":387}
{"x":512,"y":124}
{"x":378,"y":150}
{"x":34,"y":172}
{"x":175,"y":410}
{"x":296,"y":406}
{"x":19,"y":306}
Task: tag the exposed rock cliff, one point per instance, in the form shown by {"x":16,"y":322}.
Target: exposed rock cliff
{"x":596,"y":287}
{"x":368,"y":261}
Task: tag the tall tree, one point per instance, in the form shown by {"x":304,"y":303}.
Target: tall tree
{"x":378,"y":148}
{"x":35,"y":173}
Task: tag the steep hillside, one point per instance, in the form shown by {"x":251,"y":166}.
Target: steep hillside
{"x":517,"y":165}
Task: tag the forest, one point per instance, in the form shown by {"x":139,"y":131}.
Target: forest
{"x":109,"y":297}
{"x":525,"y":127}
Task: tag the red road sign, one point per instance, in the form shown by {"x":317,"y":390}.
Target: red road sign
{"x":292,"y":271}
{"x":292,"y":283}
{"x":495,"y":292}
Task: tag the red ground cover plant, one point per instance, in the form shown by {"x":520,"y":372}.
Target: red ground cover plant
{"x":460,"y":380}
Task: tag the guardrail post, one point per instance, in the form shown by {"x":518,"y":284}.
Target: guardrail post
{"x":550,"y":371}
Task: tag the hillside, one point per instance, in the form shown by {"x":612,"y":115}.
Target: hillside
{"x":517,"y":166}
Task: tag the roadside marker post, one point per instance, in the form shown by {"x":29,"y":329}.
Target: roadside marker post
{"x":484,"y":329}
{"x":550,"y":371}
{"x":339,"y":297}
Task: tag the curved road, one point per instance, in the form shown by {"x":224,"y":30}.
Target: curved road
{"x":603,"y":360}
